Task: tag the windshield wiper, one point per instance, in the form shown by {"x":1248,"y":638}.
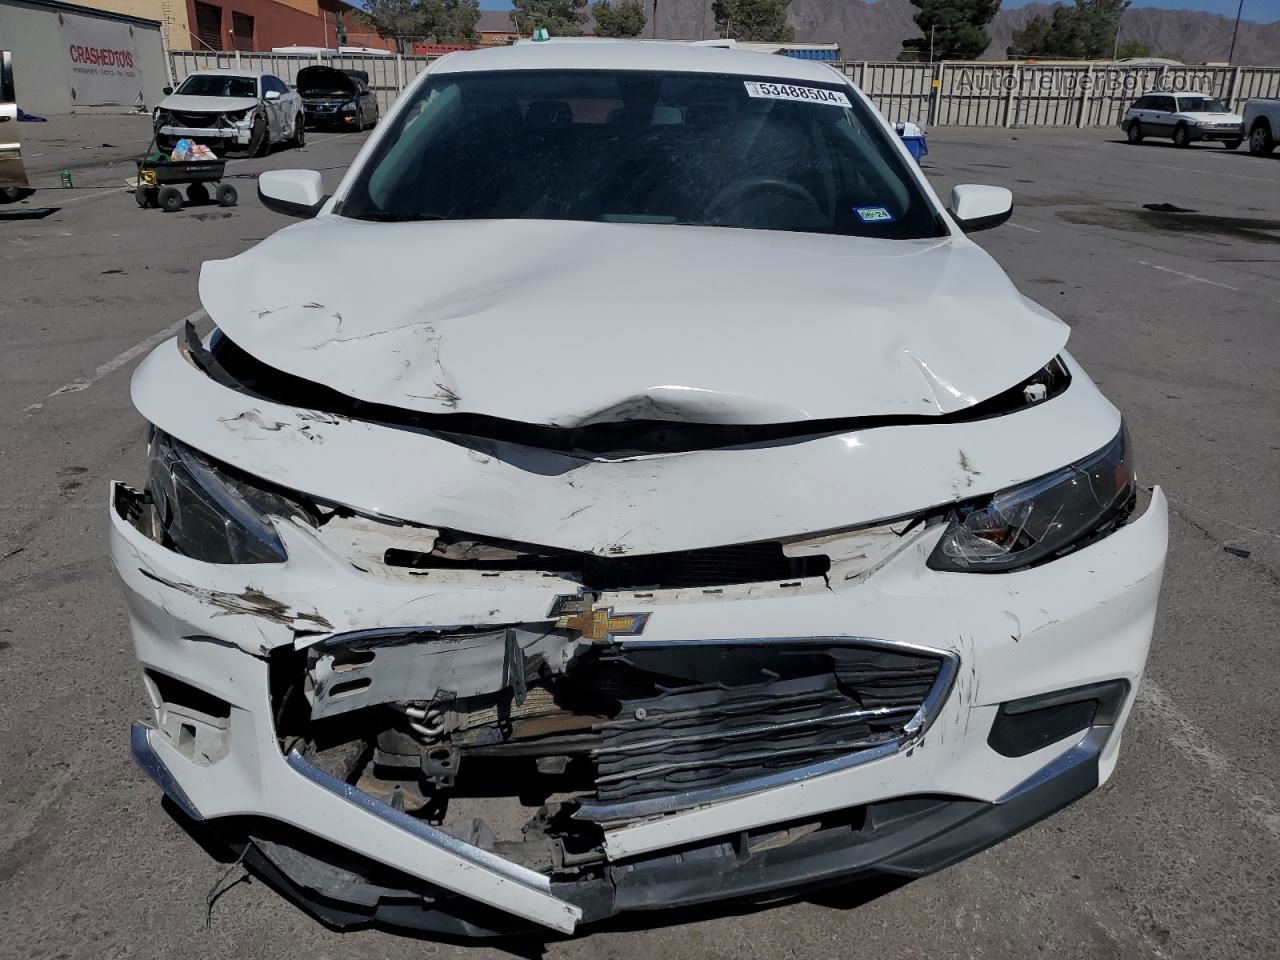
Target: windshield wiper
{"x":390,"y":216}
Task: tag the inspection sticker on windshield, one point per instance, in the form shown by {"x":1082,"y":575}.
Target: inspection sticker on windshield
{"x":874,"y":215}
{"x":785,"y":91}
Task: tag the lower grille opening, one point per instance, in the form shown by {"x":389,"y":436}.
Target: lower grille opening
{"x":709,"y":567}
{"x":531,"y":770}
{"x":183,"y":119}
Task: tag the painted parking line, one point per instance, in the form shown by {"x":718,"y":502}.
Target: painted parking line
{"x":118,"y":361}
{"x":1018,"y":226}
{"x":313,"y":140}
{"x":1187,"y":276}
{"x":1251,"y":789}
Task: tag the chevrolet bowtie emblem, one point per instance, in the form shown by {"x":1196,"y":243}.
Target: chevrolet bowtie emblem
{"x":596,"y":623}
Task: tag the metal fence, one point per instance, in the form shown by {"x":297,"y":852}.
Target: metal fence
{"x":387,"y":75}
{"x":930,"y":94}
{"x":1040,"y":95}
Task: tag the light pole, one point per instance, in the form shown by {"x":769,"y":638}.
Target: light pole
{"x":1232,"y":53}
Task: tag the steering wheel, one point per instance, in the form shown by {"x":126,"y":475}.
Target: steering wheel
{"x":731,"y":195}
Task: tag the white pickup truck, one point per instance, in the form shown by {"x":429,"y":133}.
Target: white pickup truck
{"x":1262,"y":125}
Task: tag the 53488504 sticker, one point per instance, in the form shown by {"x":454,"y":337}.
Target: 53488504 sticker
{"x":787,"y":91}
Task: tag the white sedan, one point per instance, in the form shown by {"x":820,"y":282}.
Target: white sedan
{"x":682,"y":506}
{"x":231,"y":109}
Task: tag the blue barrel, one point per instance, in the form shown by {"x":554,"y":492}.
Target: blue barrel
{"x":918,"y":147}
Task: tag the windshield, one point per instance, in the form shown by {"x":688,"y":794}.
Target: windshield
{"x":218,"y":85}
{"x":1201,"y":105}
{"x":640,"y":147}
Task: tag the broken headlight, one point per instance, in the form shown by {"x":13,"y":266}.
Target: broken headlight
{"x":1043,"y":518}
{"x":238,"y":116}
{"x":205,"y":511}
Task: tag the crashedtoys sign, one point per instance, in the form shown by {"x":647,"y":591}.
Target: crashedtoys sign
{"x":101,"y":61}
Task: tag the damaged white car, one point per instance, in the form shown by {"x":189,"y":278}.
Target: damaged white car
{"x":687,"y":509}
{"x":228,"y":109}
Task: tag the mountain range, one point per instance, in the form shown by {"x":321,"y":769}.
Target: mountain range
{"x":875,"y":30}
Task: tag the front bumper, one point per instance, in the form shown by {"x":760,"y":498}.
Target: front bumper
{"x":1217,"y":133}
{"x":223,"y":135}
{"x":350,"y":858}
{"x":340,"y":118}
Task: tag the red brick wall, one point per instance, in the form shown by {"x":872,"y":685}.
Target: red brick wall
{"x":279,"y":25}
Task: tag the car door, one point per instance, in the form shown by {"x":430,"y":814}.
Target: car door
{"x":290,"y":105}
{"x":1138,"y":113}
{"x":276,"y":106}
{"x":1162,"y":115}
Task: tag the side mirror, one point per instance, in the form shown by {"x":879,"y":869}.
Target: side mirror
{"x":166,"y":90}
{"x":978,"y":207}
{"x":271,"y":95}
{"x":295,"y":193}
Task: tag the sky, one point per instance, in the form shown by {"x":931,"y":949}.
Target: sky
{"x":1263,"y":11}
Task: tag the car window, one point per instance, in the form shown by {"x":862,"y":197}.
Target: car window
{"x":218,"y":85}
{"x":1201,"y":105}
{"x":1142,"y":103}
{"x":1166,"y":104}
{"x":643,"y":147}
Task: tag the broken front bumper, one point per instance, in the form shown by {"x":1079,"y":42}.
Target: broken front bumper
{"x":207,"y":637}
{"x":224,"y":134}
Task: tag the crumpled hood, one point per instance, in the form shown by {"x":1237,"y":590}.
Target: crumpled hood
{"x":176,"y":101}
{"x":568,"y":323}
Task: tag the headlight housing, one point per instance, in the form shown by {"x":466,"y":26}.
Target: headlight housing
{"x":238,"y":116}
{"x":208,"y":512}
{"x":349,"y":105}
{"x":1044,"y":518}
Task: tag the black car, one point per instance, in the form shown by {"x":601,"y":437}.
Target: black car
{"x":334,"y":97}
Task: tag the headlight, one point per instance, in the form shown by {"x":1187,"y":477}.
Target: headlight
{"x":238,"y":116}
{"x":159,"y":118}
{"x":349,"y":105}
{"x":208,"y":513}
{"x":1044,"y":518}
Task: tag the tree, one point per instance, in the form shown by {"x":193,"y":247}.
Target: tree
{"x":622,"y":18}
{"x":1087,"y":31}
{"x":764,"y":20}
{"x":1132,"y":49}
{"x":957,"y":29}
{"x":562,"y":18}
{"x":447,"y":21}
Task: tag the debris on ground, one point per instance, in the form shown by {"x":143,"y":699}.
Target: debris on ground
{"x":1237,"y":551}
{"x":1166,"y":208}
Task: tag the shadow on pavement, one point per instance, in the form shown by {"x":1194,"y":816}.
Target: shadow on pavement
{"x":28,"y":213}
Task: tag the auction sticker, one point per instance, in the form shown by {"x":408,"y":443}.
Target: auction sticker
{"x":786,"y":91}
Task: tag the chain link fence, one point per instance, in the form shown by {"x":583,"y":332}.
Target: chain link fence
{"x":929,"y":94}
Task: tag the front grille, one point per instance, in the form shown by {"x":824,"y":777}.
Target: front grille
{"x":706,"y":716}
{"x":707,"y":567}
{"x":181,"y":119}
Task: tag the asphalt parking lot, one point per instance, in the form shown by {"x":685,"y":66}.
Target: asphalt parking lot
{"x":1174,"y":313}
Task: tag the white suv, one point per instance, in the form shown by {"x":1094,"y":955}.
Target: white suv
{"x":1184,"y":117}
